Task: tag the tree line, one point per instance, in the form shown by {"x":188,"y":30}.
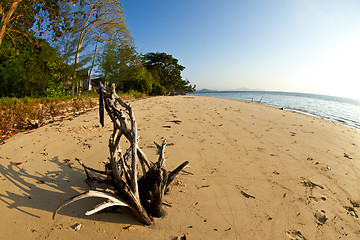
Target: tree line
{"x":57,"y":48}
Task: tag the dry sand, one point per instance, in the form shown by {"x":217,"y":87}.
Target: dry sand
{"x":256,"y":173}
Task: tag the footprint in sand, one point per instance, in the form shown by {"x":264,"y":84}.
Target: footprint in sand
{"x":317,"y":199}
{"x":295,"y":235}
{"x":311,"y":185}
{"x":321,"y":217}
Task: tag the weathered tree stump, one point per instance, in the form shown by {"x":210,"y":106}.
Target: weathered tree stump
{"x":135,"y":182}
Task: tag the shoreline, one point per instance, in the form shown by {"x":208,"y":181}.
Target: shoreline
{"x":256,"y":172}
{"x":289,"y":104}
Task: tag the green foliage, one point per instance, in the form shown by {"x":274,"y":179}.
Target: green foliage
{"x":19,"y":17}
{"x":153,"y":74}
{"x":28,"y":69}
{"x":116,"y":59}
{"x":122,"y":65}
{"x":157,"y":89}
{"x":134,"y":93}
{"x":138,"y":78}
{"x":29,"y":66}
{"x":56,"y":91}
{"x":167,"y":71}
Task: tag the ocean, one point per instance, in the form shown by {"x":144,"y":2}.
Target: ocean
{"x":336,"y":109}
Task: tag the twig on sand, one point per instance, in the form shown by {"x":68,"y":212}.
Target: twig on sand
{"x":247,"y":195}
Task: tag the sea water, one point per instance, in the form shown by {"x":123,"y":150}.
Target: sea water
{"x":336,"y":109}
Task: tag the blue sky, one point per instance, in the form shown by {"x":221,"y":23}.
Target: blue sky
{"x":276,"y":45}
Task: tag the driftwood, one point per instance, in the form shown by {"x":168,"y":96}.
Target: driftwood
{"x":135,"y":182}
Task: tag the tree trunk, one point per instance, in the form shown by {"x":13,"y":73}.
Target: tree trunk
{"x":93,"y":61}
{"x":77,"y":62}
{"x":6,"y":18}
{"x":82,"y":36}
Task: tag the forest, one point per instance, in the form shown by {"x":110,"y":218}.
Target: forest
{"x":67,"y":47}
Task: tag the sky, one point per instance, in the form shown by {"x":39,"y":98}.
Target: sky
{"x":309,"y":46}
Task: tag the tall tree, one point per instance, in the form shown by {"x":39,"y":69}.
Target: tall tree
{"x":115,"y":59}
{"x":112,"y":30}
{"x":100,"y":16}
{"x":121,"y":64}
{"x":166,"y":69}
{"x":19,"y":16}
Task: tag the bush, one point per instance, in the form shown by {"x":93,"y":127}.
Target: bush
{"x":136,"y":94}
{"x":56,"y":91}
{"x":157,"y":89}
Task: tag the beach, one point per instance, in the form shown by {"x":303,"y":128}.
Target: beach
{"x":255,"y":172}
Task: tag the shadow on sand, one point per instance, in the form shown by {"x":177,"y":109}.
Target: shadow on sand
{"x":45,"y":191}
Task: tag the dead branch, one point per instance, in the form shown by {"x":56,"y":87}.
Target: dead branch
{"x":139,"y":189}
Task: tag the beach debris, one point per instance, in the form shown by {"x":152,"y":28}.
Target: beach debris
{"x":351,"y":211}
{"x":328,"y":168}
{"x":311,"y":184}
{"x":321,"y":217}
{"x":293,"y":134}
{"x":77,"y":226}
{"x":246,"y":195}
{"x":204,"y":186}
{"x":178,"y":183}
{"x":276,"y":172}
{"x":295,"y":235}
{"x":31,"y":124}
{"x":187,"y":172}
{"x":355,"y":203}
{"x":166,"y":126}
{"x":136,"y":182}
{"x":19,"y":163}
{"x":128,"y":227}
{"x":67,"y":160}
{"x":175,"y":121}
{"x":183,"y":237}
{"x":167,"y":204}
{"x":40,"y":182}
{"x":347,"y":156}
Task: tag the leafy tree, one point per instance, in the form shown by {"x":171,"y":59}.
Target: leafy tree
{"x":99,"y":16}
{"x":27,"y":69}
{"x":18,"y":17}
{"x":112,"y":30}
{"x":120,"y":63}
{"x":137,"y":78}
{"x":115,"y":59}
{"x":167,"y":72}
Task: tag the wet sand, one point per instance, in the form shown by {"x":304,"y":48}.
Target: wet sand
{"x":255,"y":172}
